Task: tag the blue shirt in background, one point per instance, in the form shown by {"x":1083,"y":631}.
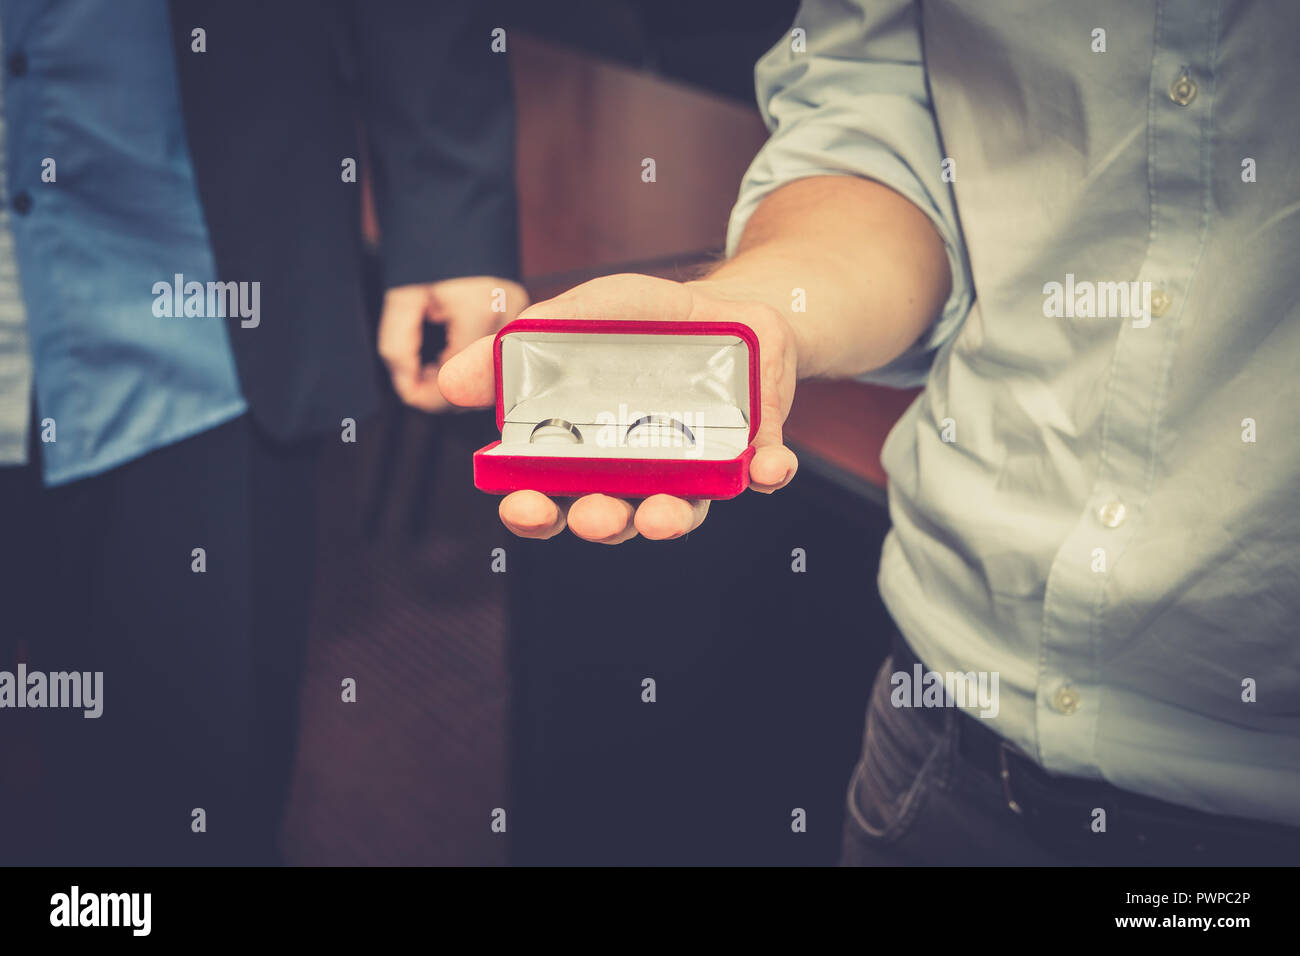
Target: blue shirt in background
{"x":103,"y":206}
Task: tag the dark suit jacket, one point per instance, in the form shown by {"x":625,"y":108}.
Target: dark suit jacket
{"x":284,"y":93}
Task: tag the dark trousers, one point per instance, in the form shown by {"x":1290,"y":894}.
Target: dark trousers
{"x":190,"y":761}
{"x":919,"y":797}
{"x":911,"y":801}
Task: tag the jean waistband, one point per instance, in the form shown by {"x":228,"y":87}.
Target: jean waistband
{"x":1063,"y":809}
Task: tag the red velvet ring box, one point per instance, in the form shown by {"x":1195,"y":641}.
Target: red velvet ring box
{"x":656,"y":408}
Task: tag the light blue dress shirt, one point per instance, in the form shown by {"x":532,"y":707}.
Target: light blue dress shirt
{"x":103,"y":205}
{"x":1095,"y":497}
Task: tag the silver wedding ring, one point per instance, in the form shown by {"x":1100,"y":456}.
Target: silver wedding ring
{"x":660,"y":420}
{"x":563,"y":424}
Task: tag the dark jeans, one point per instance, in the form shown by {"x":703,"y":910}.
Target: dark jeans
{"x":201,"y":670}
{"x":915,"y":799}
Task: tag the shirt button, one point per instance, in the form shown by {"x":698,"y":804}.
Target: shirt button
{"x":17,"y":64}
{"x":22,"y":203}
{"x":1112,"y":514}
{"x":1065,"y":700}
{"x":1183,"y":90}
{"x":1160,"y":302}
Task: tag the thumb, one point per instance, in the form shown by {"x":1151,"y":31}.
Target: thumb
{"x":468,"y":377}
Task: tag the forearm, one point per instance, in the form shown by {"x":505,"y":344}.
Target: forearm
{"x":871,"y":265}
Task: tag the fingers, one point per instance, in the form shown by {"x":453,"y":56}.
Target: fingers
{"x":772,"y":468}
{"x":468,"y":378}
{"x":401,"y":329}
{"x":773,"y":464}
{"x":602,"y":519}
{"x":473,"y":306}
{"x":661,"y":517}
{"x":530,"y":514}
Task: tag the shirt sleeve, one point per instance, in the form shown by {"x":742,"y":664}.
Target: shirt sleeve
{"x":845,"y":93}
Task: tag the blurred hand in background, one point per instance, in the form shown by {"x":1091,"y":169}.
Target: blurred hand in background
{"x":470,"y":308}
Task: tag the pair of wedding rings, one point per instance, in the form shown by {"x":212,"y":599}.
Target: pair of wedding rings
{"x":565,"y":430}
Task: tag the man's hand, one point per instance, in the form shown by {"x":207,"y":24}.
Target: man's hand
{"x":468,"y":307}
{"x":871,"y":273}
{"x":468,"y":380}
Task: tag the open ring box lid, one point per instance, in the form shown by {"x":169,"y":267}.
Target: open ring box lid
{"x":602,"y":376}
